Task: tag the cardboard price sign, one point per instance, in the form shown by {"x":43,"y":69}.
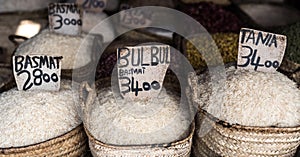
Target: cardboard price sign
{"x":260,"y":51}
{"x":135,"y":18}
{"x":141,"y":70}
{"x":37,"y":72}
{"x":92,"y":5}
{"x":64,"y":18}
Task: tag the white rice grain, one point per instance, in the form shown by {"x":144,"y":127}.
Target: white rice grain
{"x":253,"y":99}
{"x":30,"y":117}
{"x":164,"y":120}
{"x":48,"y":43}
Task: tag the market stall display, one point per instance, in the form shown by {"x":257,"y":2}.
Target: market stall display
{"x":259,"y":115}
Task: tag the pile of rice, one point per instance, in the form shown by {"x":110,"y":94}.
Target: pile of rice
{"x":160,"y":121}
{"x":48,"y":43}
{"x":252,"y":99}
{"x":30,"y":117}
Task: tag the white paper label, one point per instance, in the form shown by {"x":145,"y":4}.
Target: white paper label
{"x":64,"y":18}
{"x":33,"y":72}
{"x":260,"y":51}
{"x":136,"y":17}
{"x":141,"y":70}
{"x":92,"y":5}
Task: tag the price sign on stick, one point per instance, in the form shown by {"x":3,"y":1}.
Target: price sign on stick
{"x":64,"y":18}
{"x":92,"y":5}
{"x":141,"y":70}
{"x":37,"y":72}
{"x":260,"y":51}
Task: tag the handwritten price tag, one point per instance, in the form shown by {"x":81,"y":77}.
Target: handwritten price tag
{"x":92,"y":5}
{"x":260,"y":51}
{"x":141,"y":70}
{"x":37,"y":72}
{"x":64,"y":18}
{"x":135,"y":18}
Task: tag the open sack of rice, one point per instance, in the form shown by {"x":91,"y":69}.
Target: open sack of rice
{"x":78,"y":51}
{"x":160,"y":127}
{"x":255,"y":114}
{"x":35,"y":123}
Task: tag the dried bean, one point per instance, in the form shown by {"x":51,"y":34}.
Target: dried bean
{"x":214,"y":18}
{"x":293,"y":42}
{"x":227,"y":44}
